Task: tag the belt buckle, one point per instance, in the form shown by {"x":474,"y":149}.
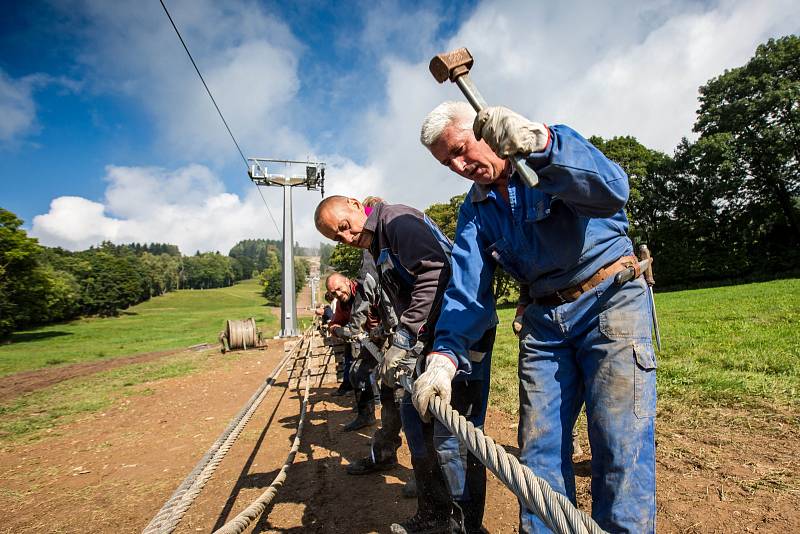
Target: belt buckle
{"x":561,"y":297}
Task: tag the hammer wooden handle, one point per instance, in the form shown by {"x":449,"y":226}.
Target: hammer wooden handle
{"x":455,"y":67}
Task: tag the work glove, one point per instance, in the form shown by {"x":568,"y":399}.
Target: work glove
{"x":436,"y":380}
{"x":509,"y":133}
{"x":516,"y":326}
{"x":344,"y":332}
{"x":396,"y":359}
{"x":377,"y":334}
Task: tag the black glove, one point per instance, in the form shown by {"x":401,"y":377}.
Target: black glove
{"x":343,"y":332}
{"x":377,"y":334}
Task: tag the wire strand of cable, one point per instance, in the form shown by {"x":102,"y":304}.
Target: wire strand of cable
{"x":219,"y":111}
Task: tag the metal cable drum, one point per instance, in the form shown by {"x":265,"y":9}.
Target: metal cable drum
{"x":242,"y":334}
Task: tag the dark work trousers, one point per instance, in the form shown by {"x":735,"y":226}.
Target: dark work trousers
{"x":361,"y":380}
{"x":465,"y":474}
{"x":433,"y":496}
{"x":348,"y":361}
{"x":386,"y":439}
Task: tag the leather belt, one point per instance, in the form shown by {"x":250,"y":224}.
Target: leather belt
{"x":571,"y":293}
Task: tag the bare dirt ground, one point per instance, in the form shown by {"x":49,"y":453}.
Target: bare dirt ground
{"x":719,"y":470}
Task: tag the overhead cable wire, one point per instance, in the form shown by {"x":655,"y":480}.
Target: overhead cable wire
{"x":219,"y":111}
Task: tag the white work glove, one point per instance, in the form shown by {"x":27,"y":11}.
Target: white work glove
{"x":436,"y":380}
{"x":509,"y":133}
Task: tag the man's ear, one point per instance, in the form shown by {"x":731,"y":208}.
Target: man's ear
{"x":355,"y":204}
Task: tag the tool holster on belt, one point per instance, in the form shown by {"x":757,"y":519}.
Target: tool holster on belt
{"x":571,"y":294}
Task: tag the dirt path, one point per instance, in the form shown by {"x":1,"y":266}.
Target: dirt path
{"x":718,"y":470}
{"x":19,"y":383}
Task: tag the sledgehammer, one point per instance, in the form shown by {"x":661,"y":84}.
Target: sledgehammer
{"x":454,"y":66}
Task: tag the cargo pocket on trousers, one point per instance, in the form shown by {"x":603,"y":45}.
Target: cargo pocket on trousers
{"x":644,"y":380}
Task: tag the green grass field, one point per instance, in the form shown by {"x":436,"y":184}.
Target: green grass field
{"x":171,"y":321}
{"x":734,"y":345}
{"x":726,"y":345}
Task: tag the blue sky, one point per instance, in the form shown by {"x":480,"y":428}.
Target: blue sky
{"x":107,"y":133}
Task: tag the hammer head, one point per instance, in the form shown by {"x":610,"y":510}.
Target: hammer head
{"x":451,"y":65}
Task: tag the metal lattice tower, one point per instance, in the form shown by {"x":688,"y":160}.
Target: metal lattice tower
{"x":313,"y":180}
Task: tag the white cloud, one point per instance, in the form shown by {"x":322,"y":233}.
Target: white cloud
{"x":610,"y":68}
{"x":16,"y":107}
{"x":188,"y":207}
{"x":248,"y":58}
{"x":619,"y":68}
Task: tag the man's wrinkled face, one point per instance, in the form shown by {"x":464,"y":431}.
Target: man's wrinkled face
{"x":458,"y":149}
{"x":344,"y":223}
{"x":339,"y":286}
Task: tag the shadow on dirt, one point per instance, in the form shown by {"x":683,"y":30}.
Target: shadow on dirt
{"x":319,"y":471}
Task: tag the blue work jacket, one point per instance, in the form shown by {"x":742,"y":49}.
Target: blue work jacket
{"x":548,"y":238}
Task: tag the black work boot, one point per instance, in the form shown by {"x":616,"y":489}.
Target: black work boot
{"x":365,"y":466}
{"x":365,"y":417}
{"x":425,"y":523}
{"x":409,"y":490}
{"x":343,"y":389}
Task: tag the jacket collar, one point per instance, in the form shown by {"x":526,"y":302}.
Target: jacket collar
{"x":479,"y":192}
{"x":371,"y":224}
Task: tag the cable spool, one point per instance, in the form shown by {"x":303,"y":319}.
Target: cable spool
{"x":241,"y":334}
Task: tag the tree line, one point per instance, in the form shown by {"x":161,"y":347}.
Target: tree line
{"x":40,"y":285}
{"x":724,"y":207}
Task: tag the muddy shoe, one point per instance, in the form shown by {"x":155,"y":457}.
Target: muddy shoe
{"x":360,"y":422}
{"x":365,"y":466}
{"x":422,"y":524}
{"x":409,"y":491}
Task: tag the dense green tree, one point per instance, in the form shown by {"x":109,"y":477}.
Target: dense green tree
{"x":207,"y":270}
{"x":346,"y":260}
{"x":646,"y":170}
{"x":751,"y":117}
{"x":325,"y":251}
{"x":271,"y":278}
{"x":445,"y":215}
{"x":30,"y":292}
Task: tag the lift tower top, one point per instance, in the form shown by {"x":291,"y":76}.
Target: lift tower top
{"x":313,"y":180}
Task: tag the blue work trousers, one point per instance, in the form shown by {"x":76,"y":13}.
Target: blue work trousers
{"x":464,"y":473}
{"x":597,"y":349}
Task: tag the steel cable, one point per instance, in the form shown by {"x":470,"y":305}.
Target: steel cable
{"x":553,"y":508}
{"x":250,"y":514}
{"x":174,"y":509}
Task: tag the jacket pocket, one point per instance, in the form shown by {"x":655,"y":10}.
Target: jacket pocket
{"x":503,"y":253}
{"x":644,"y":380}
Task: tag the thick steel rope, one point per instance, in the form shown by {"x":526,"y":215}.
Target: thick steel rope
{"x":553,"y":508}
{"x":170,"y":514}
{"x":250,"y":514}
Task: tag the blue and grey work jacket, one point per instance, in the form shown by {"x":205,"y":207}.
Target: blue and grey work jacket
{"x":548,"y":238}
{"x":412,"y":256}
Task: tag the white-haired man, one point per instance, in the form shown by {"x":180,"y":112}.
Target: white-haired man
{"x":583,"y":338}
